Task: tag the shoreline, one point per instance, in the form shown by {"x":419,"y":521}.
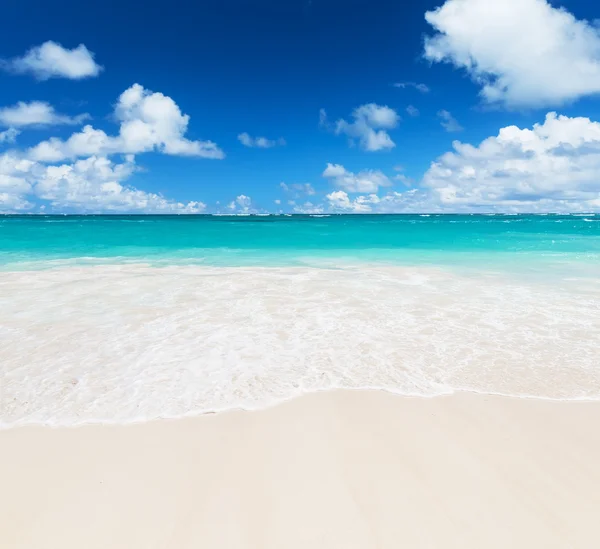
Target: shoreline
{"x":347,"y":469}
{"x":121,"y":347}
{"x":199,"y":414}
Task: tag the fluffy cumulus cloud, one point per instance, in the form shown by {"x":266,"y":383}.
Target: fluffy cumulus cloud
{"x":9,"y":136}
{"x":259,"y":142}
{"x":366,"y":181}
{"x":412,"y":110}
{"x":36,"y":113}
{"x":448,"y":122}
{"x":241,"y":205}
{"x":521,"y":52}
{"x":340,"y":201}
{"x":412,"y":201}
{"x":10,"y":203}
{"x":149,"y":121}
{"x":369,"y":126}
{"x":81,"y":173}
{"x":94,"y":184}
{"x":51,"y":60}
{"x":15,"y":174}
{"x":552,"y":167}
{"x":88,"y":183}
{"x":14,"y":182}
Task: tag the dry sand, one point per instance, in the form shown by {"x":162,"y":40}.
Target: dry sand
{"x":331,"y":470}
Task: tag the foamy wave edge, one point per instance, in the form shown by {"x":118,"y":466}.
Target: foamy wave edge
{"x":278,"y":402}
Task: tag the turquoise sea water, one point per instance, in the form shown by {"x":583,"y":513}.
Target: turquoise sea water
{"x":297,"y":240}
{"x":131,"y":318}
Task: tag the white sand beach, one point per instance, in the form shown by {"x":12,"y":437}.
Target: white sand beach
{"x":345,"y":469}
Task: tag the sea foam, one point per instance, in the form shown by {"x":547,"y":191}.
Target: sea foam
{"x":126,"y":343}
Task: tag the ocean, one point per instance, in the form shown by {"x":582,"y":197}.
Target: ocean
{"x":118,"y":319}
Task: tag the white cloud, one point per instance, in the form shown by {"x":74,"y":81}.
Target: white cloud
{"x":9,"y":136}
{"x":259,"y":142}
{"x":420,"y":87}
{"x":412,"y":110}
{"x":308,"y":208}
{"x":411,"y":201}
{"x":522,"y":52}
{"x":366,"y":181}
{"x":369,"y":126}
{"x":298,"y":188}
{"x":36,"y":113}
{"x":241,"y":205}
{"x":51,"y":60}
{"x":10,"y":203}
{"x":148,"y":122}
{"x":14,"y":177}
{"x":151,"y":120}
{"x":90,"y":181}
{"x":448,"y":122}
{"x":554,"y":166}
{"x":340,"y":201}
{"x":404,"y":179}
{"x":94,"y":184}
{"x":14,"y":184}
{"x":89,"y":141}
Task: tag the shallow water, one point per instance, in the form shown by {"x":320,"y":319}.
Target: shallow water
{"x":103,"y":323}
{"x":297,"y":240}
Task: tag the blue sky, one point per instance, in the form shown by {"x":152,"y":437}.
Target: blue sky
{"x":267,"y":69}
